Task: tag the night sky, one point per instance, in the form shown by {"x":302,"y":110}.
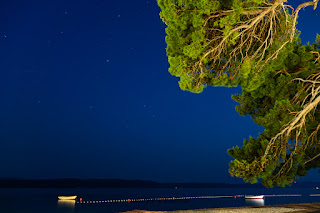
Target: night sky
{"x":85,"y":93}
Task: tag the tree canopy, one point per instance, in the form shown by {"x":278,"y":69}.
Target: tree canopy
{"x":253,"y":44}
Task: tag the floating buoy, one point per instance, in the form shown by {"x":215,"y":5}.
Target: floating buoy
{"x":128,"y":200}
{"x":80,"y":199}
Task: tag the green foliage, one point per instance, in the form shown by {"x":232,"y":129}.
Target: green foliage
{"x":186,"y":36}
{"x":268,"y":86}
{"x":270,"y":105}
{"x":246,"y":68}
{"x":194,"y":27}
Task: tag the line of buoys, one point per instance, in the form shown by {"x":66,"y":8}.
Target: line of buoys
{"x":154,"y":199}
{"x":126,"y":200}
{"x":182,"y":198}
{"x":283,"y":195}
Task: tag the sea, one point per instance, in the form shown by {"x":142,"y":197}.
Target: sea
{"x":29,"y":200}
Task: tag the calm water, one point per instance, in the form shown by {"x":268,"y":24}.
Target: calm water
{"x":45,"y":200}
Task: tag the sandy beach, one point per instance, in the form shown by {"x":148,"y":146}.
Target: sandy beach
{"x":298,"y":208}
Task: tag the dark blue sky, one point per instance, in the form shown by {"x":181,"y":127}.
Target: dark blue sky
{"x":85,"y":93}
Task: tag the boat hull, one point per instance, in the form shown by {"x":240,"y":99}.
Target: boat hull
{"x":253,"y":197}
{"x":67,"y":197}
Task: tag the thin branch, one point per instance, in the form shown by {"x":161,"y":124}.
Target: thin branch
{"x":313,"y":3}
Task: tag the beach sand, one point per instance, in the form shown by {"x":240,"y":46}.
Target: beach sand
{"x":297,"y":208}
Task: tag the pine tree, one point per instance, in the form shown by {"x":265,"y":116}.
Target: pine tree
{"x":253,"y":44}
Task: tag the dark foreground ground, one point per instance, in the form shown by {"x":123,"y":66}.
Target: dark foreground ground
{"x":297,"y":208}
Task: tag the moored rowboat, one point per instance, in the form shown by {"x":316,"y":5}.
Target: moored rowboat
{"x":253,"y":197}
{"x":67,"y":197}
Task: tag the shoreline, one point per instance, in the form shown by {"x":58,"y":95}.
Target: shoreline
{"x":282,"y":208}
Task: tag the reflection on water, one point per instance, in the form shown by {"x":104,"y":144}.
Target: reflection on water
{"x":45,"y":200}
{"x":66,"y":204}
{"x":255,"y":202}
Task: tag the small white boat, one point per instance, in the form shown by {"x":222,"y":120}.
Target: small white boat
{"x":67,"y":197}
{"x":254,"y":196}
